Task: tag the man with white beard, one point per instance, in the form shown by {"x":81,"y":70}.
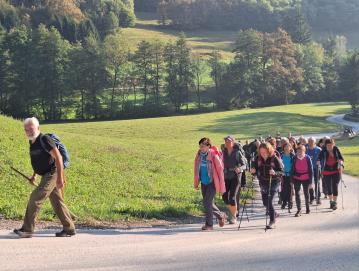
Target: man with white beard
{"x":46,"y":162}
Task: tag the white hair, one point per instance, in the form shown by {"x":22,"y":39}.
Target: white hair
{"x":312,"y":138}
{"x":33,"y":121}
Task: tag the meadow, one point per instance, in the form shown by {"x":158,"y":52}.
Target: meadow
{"x":143,"y":169}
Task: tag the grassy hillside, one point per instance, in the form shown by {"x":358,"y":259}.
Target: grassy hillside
{"x":203,"y":41}
{"x":143,"y":168}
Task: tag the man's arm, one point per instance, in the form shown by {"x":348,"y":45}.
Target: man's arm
{"x":59,"y":167}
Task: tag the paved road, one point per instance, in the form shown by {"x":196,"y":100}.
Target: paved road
{"x":323,"y":240}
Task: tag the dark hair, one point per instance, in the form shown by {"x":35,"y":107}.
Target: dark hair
{"x":205,"y":141}
{"x":329,"y":141}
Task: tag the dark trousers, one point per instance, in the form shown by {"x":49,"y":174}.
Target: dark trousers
{"x":233,"y":186}
{"x":332,"y":182}
{"x":208,"y":193}
{"x":297,"y":186}
{"x":315,"y":192}
{"x":287,"y":190}
{"x":268,"y":196}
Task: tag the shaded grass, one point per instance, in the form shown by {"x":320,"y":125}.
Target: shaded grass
{"x":125,"y":170}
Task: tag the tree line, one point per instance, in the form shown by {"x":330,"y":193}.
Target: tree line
{"x":264,"y":15}
{"x":43,"y":74}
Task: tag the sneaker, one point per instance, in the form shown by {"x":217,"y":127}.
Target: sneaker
{"x":334,"y":205}
{"x":232,"y":221}
{"x":207,"y":228}
{"x":221,"y":221}
{"x":298,"y":213}
{"x":23,"y":234}
{"x":65,"y":233}
{"x":271,"y":225}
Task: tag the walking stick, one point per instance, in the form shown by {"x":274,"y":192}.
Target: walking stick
{"x":244,"y":209}
{"x":23,"y":175}
{"x":267,"y":212}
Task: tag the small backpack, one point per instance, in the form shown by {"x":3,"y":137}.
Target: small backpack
{"x":61,"y":147}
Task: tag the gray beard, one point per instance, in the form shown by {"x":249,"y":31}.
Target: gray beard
{"x":32,"y":138}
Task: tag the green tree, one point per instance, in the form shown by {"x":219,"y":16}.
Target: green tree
{"x":51,"y":55}
{"x":349,"y":81}
{"x":116,"y":51}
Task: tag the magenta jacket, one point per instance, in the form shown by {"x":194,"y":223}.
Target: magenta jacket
{"x":215,"y":169}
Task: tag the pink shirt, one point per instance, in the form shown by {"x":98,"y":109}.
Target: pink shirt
{"x":301,"y":166}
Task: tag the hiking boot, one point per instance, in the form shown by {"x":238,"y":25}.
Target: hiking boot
{"x":23,"y":234}
{"x":271,"y":225}
{"x":331,"y":204}
{"x":298,"y":213}
{"x":65,"y":233}
{"x":334,"y":205}
{"x":207,"y":228}
{"x":221,"y":221}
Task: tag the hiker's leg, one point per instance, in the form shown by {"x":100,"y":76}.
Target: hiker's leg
{"x":273,"y":191}
{"x":305,"y":185}
{"x":329,"y":186}
{"x":335,"y":181}
{"x":234,"y":186}
{"x":297,"y":194}
{"x":286,"y":190}
{"x":37,"y":198}
{"x":61,"y":210}
{"x":208,"y":197}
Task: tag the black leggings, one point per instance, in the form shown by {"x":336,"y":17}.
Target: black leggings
{"x":331,"y":183}
{"x":232,"y":189}
{"x":287,"y":190}
{"x":268,"y":196}
{"x":297,"y":185}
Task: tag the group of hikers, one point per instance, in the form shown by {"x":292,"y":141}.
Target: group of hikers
{"x":281,"y":164}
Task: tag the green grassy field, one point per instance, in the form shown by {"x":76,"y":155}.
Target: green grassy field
{"x":203,"y":42}
{"x":139,"y":169}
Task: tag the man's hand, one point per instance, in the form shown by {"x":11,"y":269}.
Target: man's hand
{"x":32,"y":179}
{"x":60,"y":183}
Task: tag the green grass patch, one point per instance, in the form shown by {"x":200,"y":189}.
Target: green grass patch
{"x":142,"y":169}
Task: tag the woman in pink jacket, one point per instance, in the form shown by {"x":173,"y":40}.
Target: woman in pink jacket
{"x":208,"y":170}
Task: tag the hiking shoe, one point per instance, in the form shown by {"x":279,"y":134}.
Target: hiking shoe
{"x":232,"y":221}
{"x":298,"y":213}
{"x":23,"y":234}
{"x":271,"y":225}
{"x":331,"y":205}
{"x":307,"y":211}
{"x":207,"y":228}
{"x":221,"y":221}
{"x":65,"y":233}
{"x":334,"y":205}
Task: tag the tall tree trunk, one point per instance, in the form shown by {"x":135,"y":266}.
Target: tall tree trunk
{"x":113,"y":93}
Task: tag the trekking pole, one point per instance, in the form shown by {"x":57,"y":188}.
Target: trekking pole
{"x":244,"y":209}
{"x":23,"y":175}
{"x":267,"y":212}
